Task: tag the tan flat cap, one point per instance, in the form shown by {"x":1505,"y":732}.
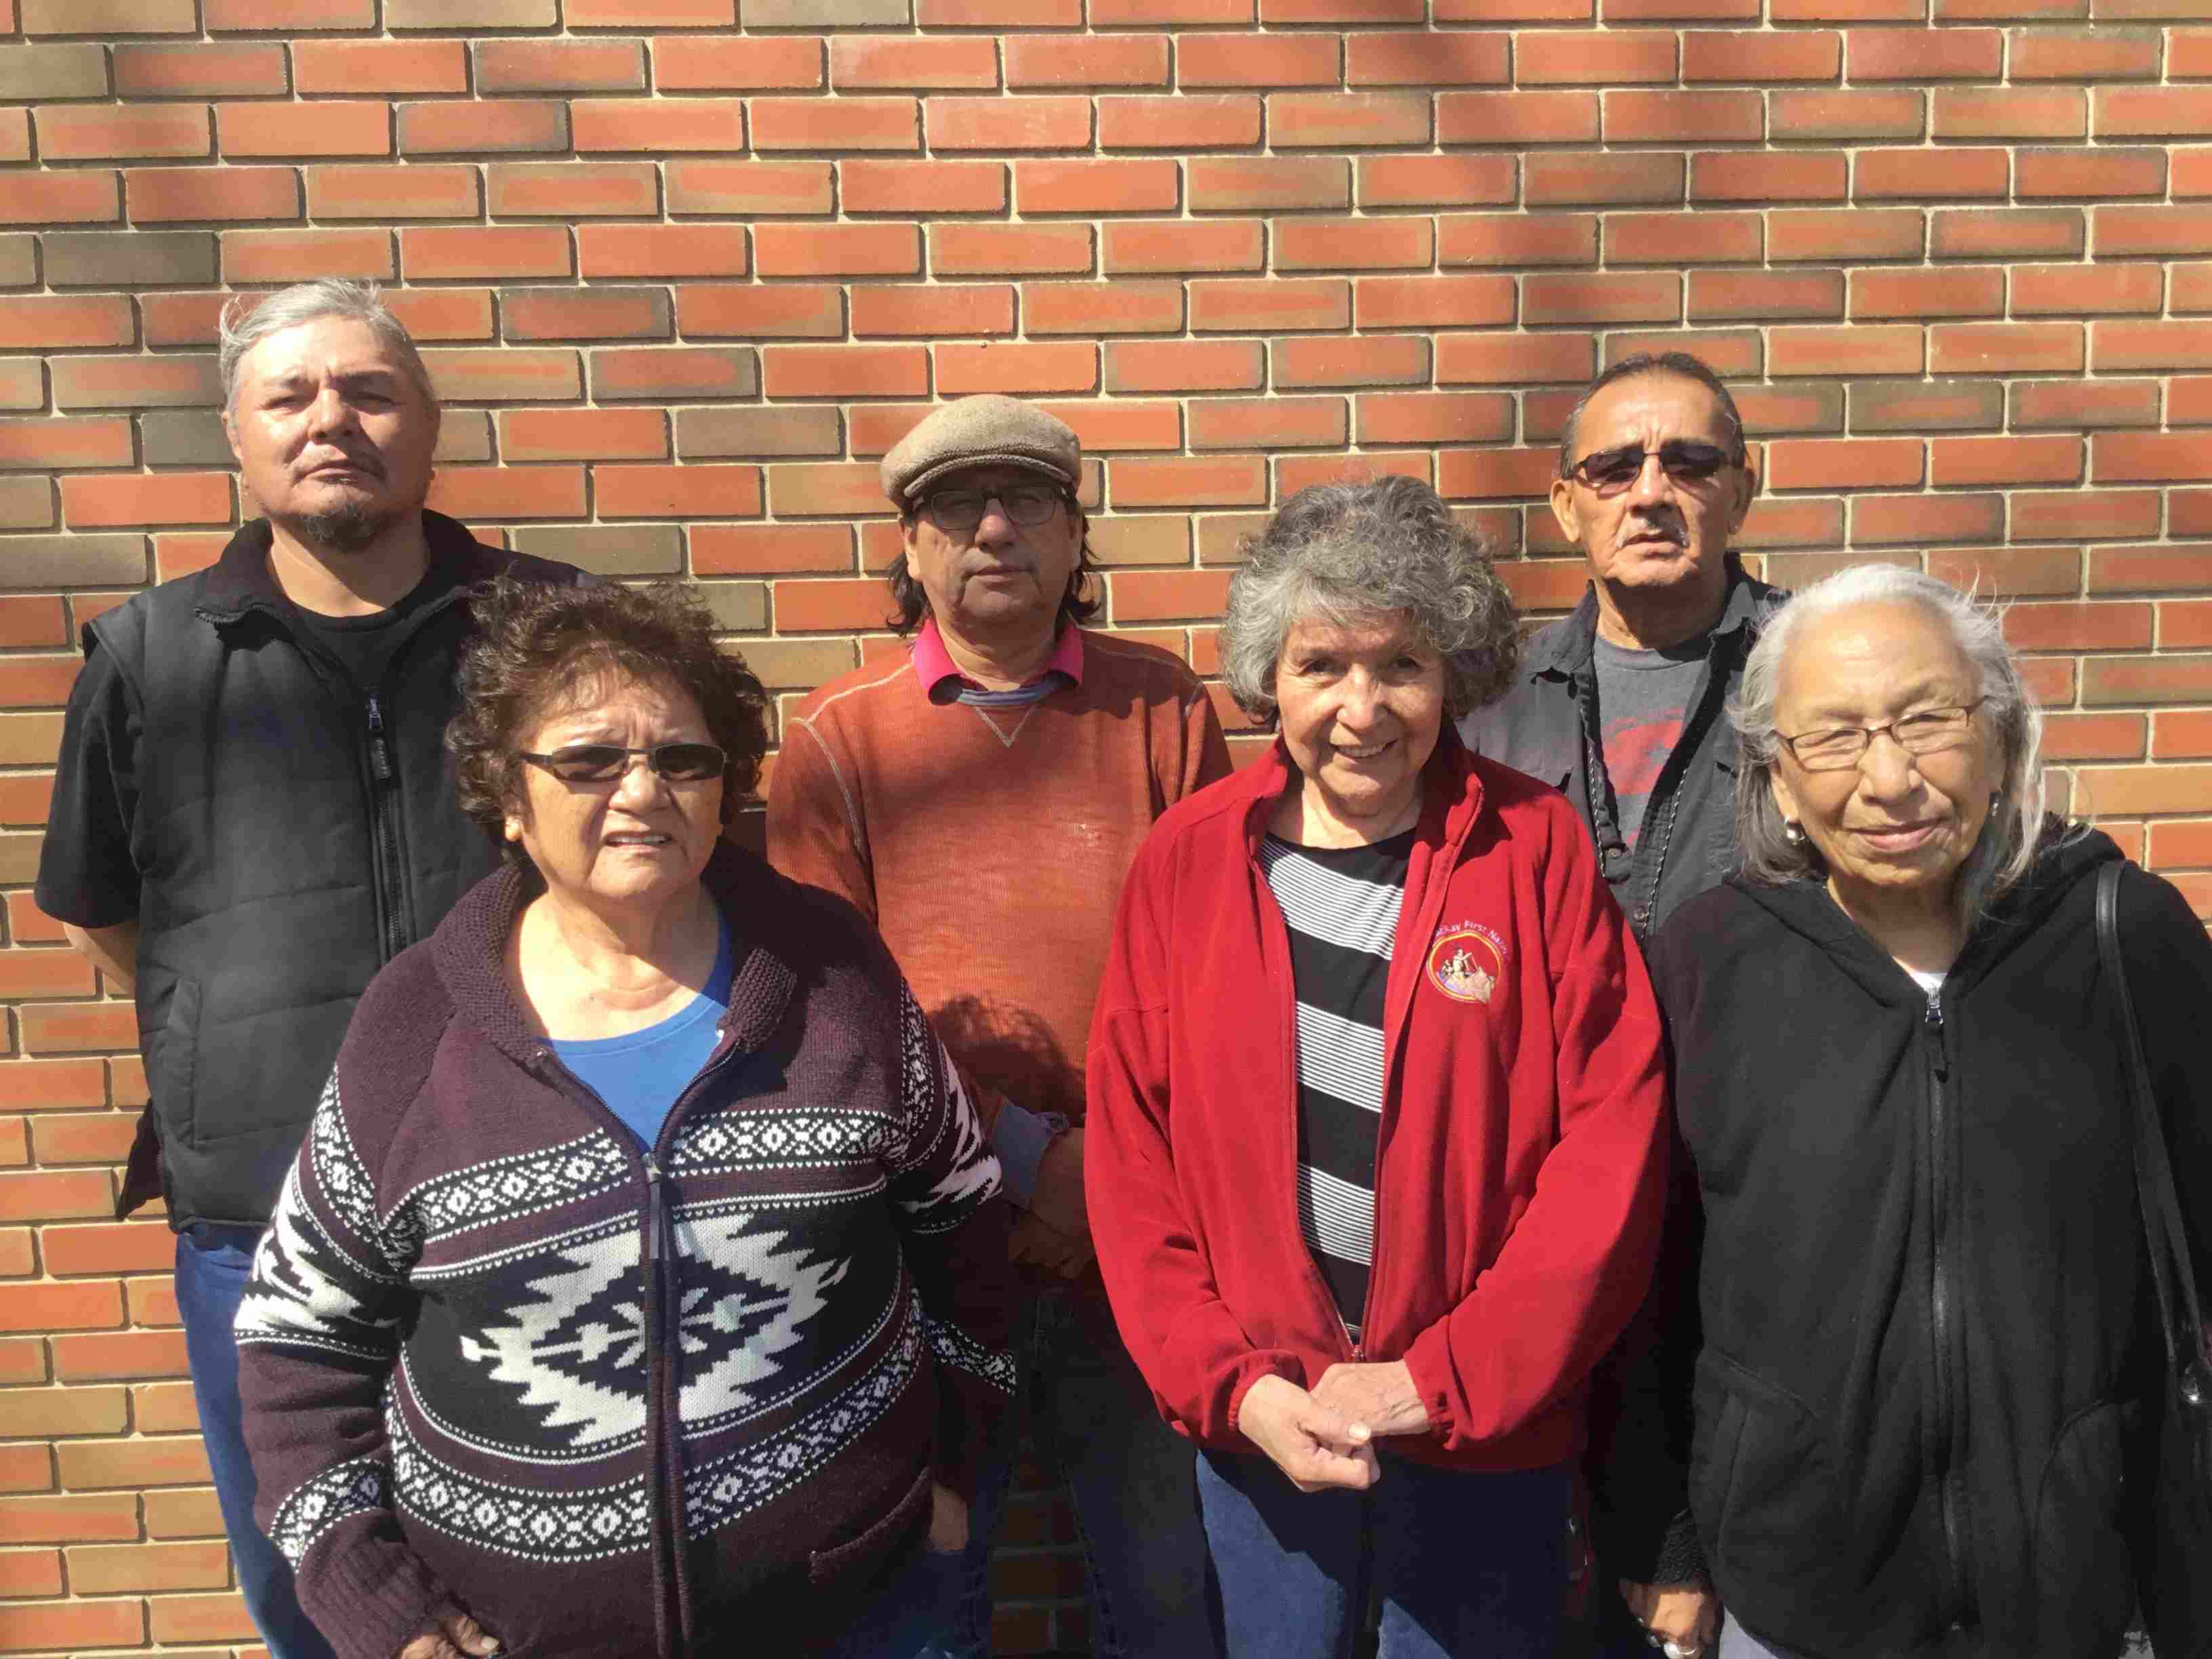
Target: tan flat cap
{"x":988,"y":430}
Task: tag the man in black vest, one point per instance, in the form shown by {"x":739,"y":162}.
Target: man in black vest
{"x":253,"y":812}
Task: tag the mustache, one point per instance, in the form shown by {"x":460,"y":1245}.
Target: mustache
{"x":1660,"y":531}
{"x":371,"y":463}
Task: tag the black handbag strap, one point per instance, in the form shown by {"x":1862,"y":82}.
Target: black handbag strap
{"x":2172,"y":1271}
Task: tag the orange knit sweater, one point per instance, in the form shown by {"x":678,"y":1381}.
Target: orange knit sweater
{"x":989,"y":846}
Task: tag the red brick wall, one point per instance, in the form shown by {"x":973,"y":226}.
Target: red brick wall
{"x":685,"y":276}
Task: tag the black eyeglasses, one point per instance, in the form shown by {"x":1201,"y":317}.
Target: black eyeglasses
{"x":603,"y":762}
{"x":1025,"y":504}
{"x":1839,"y":747}
{"x":1609,"y":472}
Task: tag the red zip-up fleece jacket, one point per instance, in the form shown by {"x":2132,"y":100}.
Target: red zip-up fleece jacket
{"x":1522,"y":1153}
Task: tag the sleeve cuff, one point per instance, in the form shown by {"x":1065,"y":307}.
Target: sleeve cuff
{"x":1020,"y":1138}
{"x":82,"y":909}
{"x":1682,"y":1555}
{"x":1424,"y":1364}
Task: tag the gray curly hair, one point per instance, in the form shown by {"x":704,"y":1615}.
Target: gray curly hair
{"x":1341,"y":553}
{"x":2007,"y":848}
{"x":249,"y":319}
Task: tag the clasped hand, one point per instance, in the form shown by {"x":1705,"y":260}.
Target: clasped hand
{"x":452,"y":1635}
{"x":1688,"y":1615}
{"x":1325,"y":1438}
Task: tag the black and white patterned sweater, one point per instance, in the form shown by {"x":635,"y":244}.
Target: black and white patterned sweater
{"x":481,"y":1310}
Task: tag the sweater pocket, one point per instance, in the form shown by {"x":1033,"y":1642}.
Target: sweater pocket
{"x":1763,"y":1484}
{"x":859,"y":1560}
{"x":2082,"y":1572}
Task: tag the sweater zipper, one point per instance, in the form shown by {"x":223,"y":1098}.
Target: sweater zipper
{"x":663,"y":1438}
{"x":383,"y":809}
{"x":666,"y":1514}
{"x":1943,"y":1312}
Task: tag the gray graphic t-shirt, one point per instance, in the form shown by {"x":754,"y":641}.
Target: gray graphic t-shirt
{"x":1643,"y":698}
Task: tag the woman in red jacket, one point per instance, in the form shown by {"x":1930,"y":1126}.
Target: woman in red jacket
{"x":1376,"y":1110}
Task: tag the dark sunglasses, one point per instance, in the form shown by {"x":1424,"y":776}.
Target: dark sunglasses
{"x":603,"y":762}
{"x":1609,"y":472}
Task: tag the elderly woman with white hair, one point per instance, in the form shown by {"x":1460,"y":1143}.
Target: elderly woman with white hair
{"x":1924,"y":1365}
{"x":1376,"y":1111}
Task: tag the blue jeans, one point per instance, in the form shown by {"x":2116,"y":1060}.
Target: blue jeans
{"x":1136,"y":1510}
{"x":1464,"y":1566}
{"x":907,"y":1612}
{"x":213,"y":1262}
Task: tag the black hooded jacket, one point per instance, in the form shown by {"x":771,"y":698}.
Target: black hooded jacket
{"x":1923,"y":1348}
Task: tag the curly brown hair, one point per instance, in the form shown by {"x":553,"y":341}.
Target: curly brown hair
{"x":536,"y":641}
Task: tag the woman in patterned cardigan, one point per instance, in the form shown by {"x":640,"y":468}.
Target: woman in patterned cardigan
{"x":640,"y":1284}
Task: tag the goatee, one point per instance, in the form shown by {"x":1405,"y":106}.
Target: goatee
{"x":348,"y":528}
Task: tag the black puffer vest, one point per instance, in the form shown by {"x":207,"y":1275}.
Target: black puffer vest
{"x":294,"y":832}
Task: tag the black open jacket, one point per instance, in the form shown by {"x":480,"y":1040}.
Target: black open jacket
{"x":1914,"y":1382}
{"x":279,"y":834}
{"x":1547,"y":725}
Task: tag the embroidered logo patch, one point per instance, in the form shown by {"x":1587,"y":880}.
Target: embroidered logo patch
{"x":1466,"y":961}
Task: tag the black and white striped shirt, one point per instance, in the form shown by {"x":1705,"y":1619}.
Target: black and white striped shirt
{"x":1342,"y":904}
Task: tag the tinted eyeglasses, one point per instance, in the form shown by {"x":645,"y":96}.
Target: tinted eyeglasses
{"x":603,"y":762}
{"x":1026,"y":504}
{"x":1839,"y":747}
{"x":1609,"y":472}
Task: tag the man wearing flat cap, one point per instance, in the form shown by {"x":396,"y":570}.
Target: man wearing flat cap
{"x":979,"y":797}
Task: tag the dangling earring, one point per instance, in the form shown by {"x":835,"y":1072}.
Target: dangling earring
{"x":1793,"y":833}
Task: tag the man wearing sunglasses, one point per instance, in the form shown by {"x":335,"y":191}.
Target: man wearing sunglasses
{"x":253,"y":811}
{"x":1622,"y":705}
{"x":979,"y":798}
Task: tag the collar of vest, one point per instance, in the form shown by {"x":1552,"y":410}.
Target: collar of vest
{"x":241,"y":580}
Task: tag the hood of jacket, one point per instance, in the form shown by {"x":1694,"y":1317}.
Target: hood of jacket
{"x":2065,"y":856}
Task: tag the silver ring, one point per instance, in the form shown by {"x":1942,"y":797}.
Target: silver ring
{"x":1675,"y":1649}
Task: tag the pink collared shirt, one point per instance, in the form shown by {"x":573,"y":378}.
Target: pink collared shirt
{"x":933,"y":664}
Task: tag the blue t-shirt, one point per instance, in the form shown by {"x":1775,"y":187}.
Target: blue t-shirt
{"x":640,"y":1075}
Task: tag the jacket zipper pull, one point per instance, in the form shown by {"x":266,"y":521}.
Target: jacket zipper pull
{"x":1940,"y":1062}
{"x":652,"y":1208}
{"x":379,"y":756}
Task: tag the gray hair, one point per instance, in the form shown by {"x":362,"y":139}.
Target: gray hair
{"x":246,"y":324}
{"x":2007,"y":848}
{"x":1683,"y":367}
{"x":1343,"y":553}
